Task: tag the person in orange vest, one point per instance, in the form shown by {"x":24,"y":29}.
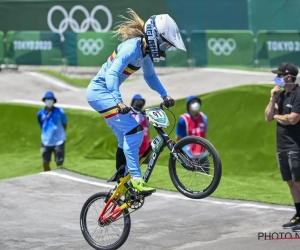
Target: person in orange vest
{"x":139,"y":102}
{"x":194,"y":123}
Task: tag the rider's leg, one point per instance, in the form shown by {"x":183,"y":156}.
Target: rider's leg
{"x":120,"y":158}
{"x":101,"y":101}
{"x":133,"y":135}
{"x":132,"y":143}
{"x":130,"y":135}
{"x":124,"y":126}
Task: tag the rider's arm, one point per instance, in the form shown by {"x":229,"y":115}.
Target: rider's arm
{"x":180,"y":129}
{"x":124,"y":56}
{"x":151,"y":77}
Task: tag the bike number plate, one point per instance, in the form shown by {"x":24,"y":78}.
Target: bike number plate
{"x":158,"y":116}
{"x":156,"y":143}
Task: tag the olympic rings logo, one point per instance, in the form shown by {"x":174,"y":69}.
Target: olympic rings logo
{"x":221,"y":46}
{"x":90,"y":46}
{"x":87,"y":22}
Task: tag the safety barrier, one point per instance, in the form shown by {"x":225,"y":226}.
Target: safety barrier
{"x":204,"y":48}
{"x":75,"y":49}
{"x":88,"y":48}
{"x":275,"y":47}
{"x":1,"y":47}
{"x":222,"y":48}
{"x":33,"y":48}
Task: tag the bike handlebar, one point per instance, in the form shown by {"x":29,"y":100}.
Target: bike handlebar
{"x":136,"y":110}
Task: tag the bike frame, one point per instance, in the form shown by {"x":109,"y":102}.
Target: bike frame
{"x":116,"y":212}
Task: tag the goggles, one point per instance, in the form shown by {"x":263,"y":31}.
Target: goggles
{"x":164,"y":44}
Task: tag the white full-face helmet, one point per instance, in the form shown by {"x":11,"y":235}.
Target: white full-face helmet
{"x":162,"y":33}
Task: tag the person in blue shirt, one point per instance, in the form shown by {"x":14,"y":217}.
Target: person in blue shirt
{"x":53,"y":123}
{"x":142,"y":44}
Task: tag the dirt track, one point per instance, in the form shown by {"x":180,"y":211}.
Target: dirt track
{"x":41,"y":212}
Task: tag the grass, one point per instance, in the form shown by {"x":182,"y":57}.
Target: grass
{"x":79,"y":82}
{"x":245,"y":142}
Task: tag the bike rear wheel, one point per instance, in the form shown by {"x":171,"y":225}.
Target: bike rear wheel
{"x":95,"y":205}
{"x":198,"y":172}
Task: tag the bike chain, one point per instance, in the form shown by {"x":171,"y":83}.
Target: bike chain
{"x":128,"y":202}
{"x":134,"y":209}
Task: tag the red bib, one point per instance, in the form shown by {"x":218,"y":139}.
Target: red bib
{"x":195,"y":127}
{"x":146,"y":140}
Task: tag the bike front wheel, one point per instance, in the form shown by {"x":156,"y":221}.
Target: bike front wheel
{"x":202,"y":174}
{"x":108,"y":236}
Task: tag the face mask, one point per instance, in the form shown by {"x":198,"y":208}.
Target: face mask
{"x":195,"y":106}
{"x":49,"y":103}
{"x":279,"y":82}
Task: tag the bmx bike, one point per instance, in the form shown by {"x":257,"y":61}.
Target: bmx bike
{"x":116,"y":205}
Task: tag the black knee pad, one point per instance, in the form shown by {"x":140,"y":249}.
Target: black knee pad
{"x":120,"y":158}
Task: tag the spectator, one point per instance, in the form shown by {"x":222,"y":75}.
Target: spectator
{"x":194,"y":123}
{"x":284,"y":107}
{"x":139,"y":102}
{"x":53,"y":122}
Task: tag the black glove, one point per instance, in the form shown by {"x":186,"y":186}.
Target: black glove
{"x":169,"y":101}
{"x":123,"y":109}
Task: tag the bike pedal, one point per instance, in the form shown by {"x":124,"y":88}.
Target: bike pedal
{"x":146,"y":194}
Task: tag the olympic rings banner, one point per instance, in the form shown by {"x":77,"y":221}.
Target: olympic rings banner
{"x":78,"y":16}
{"x":275,"y":47}
{"x":33,"y":48}
{"x":88,"y":48}
{"x":228,"y":48}
{"x":1,"y":47}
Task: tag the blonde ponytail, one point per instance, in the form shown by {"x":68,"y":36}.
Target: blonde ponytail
{"x":129,"y":28}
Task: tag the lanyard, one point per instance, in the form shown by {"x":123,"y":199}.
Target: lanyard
{"x":47,"y":116}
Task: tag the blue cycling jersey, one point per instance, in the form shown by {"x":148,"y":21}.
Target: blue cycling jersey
{"x":125,"y":60}
{"x":103,"y":95}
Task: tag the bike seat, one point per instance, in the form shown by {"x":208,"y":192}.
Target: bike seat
{"x":117,"y":175}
